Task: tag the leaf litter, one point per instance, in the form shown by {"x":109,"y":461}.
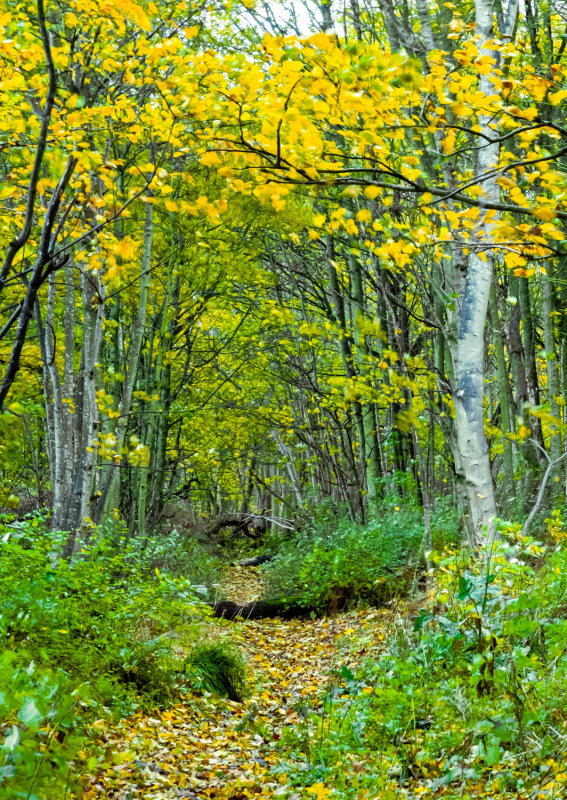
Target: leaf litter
{"x":208,"y":747}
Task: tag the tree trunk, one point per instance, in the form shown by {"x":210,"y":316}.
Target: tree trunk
{"x":469,"y":395}
{"x":134,"y":355}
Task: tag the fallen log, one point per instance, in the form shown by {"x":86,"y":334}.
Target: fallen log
{"x":260,"y":609}
{"x":248,"y":523}
{"x":255,"y":562}
{"x":240,"y":523}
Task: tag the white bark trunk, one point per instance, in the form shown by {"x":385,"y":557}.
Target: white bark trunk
{"x":57,"y":465}
{"x":68,"y":378}
{"x":290,"y":466}
{"x":469,"y":365}
{"x":93,"y":292}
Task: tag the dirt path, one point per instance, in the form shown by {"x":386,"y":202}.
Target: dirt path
{"x":214,"y":748}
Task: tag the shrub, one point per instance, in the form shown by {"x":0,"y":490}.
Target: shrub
{"x":91,"y":637}
{"x":180,"y":555}
{"x":337,"y":562}
{"x":42,"y":726}
{"x":472,"y":692}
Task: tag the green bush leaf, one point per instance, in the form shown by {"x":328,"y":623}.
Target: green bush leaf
{"x":30,"y":714}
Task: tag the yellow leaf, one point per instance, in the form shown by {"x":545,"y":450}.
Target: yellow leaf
{"x":505,"y":183}
{"x":319,"y":790}
{"x":210,"y":158}
{"x":351,"y":191}
{"x":546,"y":213}
{"x":485,"y":64}
{"x":364,"y":215}
{"x":514,"y":260}
{"x":557,"y":97}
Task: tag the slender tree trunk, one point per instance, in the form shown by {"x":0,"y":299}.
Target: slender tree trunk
{"x":503,"y":397}
{"x":371,"y":452}
{"x":553,"y":381}
{"x":469,"y":396}
{"x":134,"y":355}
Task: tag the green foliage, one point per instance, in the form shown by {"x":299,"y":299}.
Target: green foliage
{"x":95,"y":637}
{"x":445,"y":529}
{"x":180,"y":555}
{"x":219,"y":667}
{"x":77,"y":616}
{"x":43,"y":727}
{"x":472,"y":691}
{"x":336,"y":562}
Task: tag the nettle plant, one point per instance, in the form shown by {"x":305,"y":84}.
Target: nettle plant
{"x":499,"y":624}
{"x":488,"y":607}
{"x":477,"y":680}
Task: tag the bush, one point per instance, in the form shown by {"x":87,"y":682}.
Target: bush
{"x":180,"y":555}
{"x":336,"y":562}
{"x":472,"y":693}
{"x":43,"y":727}
{"x":92,"y":637}
{"x":78,"y":616}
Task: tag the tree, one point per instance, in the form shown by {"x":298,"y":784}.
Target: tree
{"x":272,"y":270}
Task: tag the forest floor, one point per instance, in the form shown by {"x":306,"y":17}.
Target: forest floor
{"x":211,"y":748}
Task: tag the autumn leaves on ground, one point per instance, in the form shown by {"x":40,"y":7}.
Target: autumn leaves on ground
{"x":443,"y":678}
{"x":213,"y":748}
{"x":320,"y":722}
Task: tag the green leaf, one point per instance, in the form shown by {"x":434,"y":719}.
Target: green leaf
{"x":493,"y":754}
{"x":30,"y":714}
{"x":7,"y":771}
{"x":12,"y":739}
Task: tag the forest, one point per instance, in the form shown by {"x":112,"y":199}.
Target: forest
{"x":283,"y":399}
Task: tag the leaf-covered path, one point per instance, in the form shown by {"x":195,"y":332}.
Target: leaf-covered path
{"x":207,"y":747}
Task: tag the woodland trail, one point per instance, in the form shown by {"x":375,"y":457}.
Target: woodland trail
{"x":211,"y":748}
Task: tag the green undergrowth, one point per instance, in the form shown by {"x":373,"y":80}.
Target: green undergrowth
{"x":467,"y":696}
{"x":219,"y":667}
{"x":101,"y":637}
{"x":181,"y":555}
{"x":333,"y":563}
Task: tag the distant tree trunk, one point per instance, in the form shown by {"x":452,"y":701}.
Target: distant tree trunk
{"x":553,"y":380}
{"x":291,"y":467}
{"x":503,"y":397}
{"x":338,"y":304}
{"x":134,"y":355}
{"x":370,"y":450}
{"x":85,"y":429}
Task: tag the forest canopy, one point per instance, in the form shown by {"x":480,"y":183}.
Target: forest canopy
{"x":239,"y":259}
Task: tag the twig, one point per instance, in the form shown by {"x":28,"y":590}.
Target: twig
{"x":550,"y":466}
